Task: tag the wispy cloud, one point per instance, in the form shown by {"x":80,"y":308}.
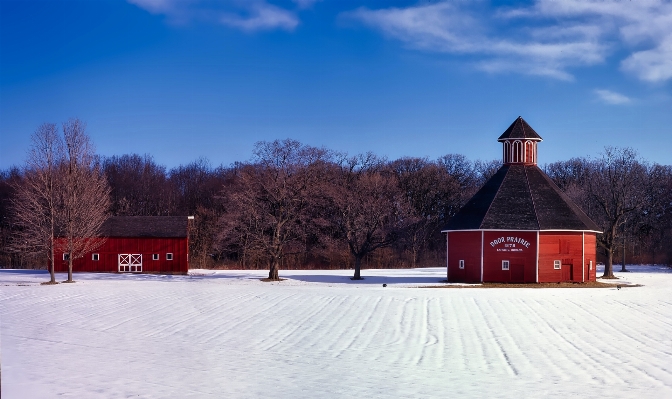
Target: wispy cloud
{"x":247,"y":15}
{"x":548,"y":38}
{"x":611,"y":97}
{"x":305,"y":3}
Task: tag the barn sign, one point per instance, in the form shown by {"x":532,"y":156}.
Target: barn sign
{"x":510,"y":244}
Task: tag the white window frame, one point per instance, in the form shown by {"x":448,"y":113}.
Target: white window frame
{"x":95,"y":257}
{"x":169,"y":256}
{"x":155,"y":257}
{"x":557,"y":265}
{"x":461,"y":265}
{"x":66,"y":255}
{"x":130,"y":263}
{"x":590,"y":265}
{"x":506,"y":265}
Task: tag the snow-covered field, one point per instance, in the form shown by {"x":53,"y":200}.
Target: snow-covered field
{"x":226,"y":334}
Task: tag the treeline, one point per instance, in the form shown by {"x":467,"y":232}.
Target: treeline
{"x":297,"y":206}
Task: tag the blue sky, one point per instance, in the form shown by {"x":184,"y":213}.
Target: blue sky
{"x":201,"y":78}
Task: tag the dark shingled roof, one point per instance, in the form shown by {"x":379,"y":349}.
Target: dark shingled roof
{"x":519,"y":129}
{"x":520,"y":197}
{"x":145,"y":226}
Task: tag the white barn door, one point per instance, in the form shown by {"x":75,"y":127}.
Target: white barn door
{"x":130,"y":263}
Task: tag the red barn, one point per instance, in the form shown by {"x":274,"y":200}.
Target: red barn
{"x":136,"y":244}
{"x":520,"y":227}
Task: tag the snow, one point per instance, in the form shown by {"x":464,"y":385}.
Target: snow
{"x":226,"y":334}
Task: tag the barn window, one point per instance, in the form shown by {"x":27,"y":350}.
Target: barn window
{"x":505,"y":265}
{"x":66,"y":256}
{"x":95,"y":257}
{"x":556,"y":264}
{"x":155,"y":256}
{"x":590,"y":265}
{"x":169,"y":256}
{"x":461,"y":264}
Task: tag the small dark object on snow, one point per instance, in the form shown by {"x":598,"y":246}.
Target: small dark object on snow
{"x":618,"y":287}
{"x":384,"y":285}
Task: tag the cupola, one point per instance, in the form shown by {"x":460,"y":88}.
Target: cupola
{"x":519,"y":144}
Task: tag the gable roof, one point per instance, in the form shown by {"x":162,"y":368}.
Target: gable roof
{"x":520,"y":197}
{"x":519,"y":129}
{"x":145,"y":226}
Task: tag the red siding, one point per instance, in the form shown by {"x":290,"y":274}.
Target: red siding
{"x":567,"y":247}
{"x":519,"y":248}
{"x":466,"y":246}
{"x":591,"y":255}
{"x":110,"y":250}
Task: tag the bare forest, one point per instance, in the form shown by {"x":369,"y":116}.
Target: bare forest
{"x":293,"y":206}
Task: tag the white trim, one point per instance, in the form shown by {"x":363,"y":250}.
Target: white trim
{"x":460,"y":264}
{"x":156,"y":257}
{"x":169,"y":256}
{"x":544,"y":231}
{"x":129,"y":263}
{"x":507,"y":263}
{"x":537,"y":277}
{"x":447,"y":257}
{"x":557,"y":264}
{"x":583,"y":256}
{"x":482,"y":242}
{"x":95,"y":257}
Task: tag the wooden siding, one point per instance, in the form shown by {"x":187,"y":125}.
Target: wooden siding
{"x":568,"y":248}
{"x":591,"y":255}
{"x":519,"y":248}
{"x":464,"y":245}
{"x":109,"y":256}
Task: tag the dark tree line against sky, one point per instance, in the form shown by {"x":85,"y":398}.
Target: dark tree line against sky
{"x":297,"y":206}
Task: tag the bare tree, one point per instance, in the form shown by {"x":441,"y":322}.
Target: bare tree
{"x":139,"y":186}
{"x":616,"y":184}
{"x":35,"y":203}
{"x":432,"y":193}
{"x":267,"y":207}
{"x":84,"y":196}
{"x":369,"y":209}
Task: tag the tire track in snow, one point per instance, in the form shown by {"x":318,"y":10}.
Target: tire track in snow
{"x":495,"y":338}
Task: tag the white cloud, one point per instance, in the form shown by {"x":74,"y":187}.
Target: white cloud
{"x":611,"y":97}
{"x":305,"y":3}
{"x":548,"y":38}
{"x":248,"y":15}
{"x":261,"y":16}
{"x":453,"y":28}
{"x":653,"y":65}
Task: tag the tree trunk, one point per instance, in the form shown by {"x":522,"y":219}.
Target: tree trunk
{"x":623,"y":269}
{"x":51,"y":263}
{"x":608,"y":267}
{"x":69,"y":280}
{"x":358,"y":268}
{"x":273,"y":270}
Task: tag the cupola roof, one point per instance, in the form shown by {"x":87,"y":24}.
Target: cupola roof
{"x":519,"y":129}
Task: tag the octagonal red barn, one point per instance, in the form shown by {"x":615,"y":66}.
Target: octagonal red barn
{"x":520,"y":227}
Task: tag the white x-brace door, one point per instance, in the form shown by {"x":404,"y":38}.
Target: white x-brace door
{"x":130,"y":263}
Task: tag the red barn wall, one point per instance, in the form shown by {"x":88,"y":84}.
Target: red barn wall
{"x":519,"y":248}
{"x":591,"y":255}
{"x":110,"y":250}
{"x":464,"y":245}
{"x":568,"y":248}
